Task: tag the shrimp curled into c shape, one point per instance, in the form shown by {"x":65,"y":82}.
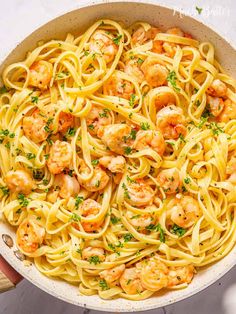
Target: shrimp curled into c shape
{"x":29,"y":235}
{"x":171,"y":122}
{"x":185,"y":211}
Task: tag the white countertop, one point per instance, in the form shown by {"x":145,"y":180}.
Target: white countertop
{"x":18,"y":19}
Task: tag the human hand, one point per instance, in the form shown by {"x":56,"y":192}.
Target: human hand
{"x":9,"y":272}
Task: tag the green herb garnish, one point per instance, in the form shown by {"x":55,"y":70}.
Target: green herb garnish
{"x":117,"y":40}
{"x":23,"y":201}
{"x":171,"y":78}
{"x":158,"y":228}
{"x":145,"y":126}
{"x":179,"y":231}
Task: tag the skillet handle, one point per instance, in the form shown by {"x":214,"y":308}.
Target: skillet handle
{"x":8,"y":276}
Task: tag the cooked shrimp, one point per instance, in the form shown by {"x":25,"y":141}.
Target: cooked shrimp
{"x":34,"y":127}
{"x":150,"y":139}
{"x":175,"y":31}
{"x":229,"y":111}
{"x":97,"y":182}
{"x":171,"y":122}
{"x":103,"y":43}
{"x":68,"y":185}
{"x":140,"y":36}
{"x":113,"y":274}
{"x":20,"y":181}
{"x":179,"y":275}
{"x":60,"y":157}
{"x":29,"y":235}
{"x":130,"y":281}
{"x":154,"y":72}
{"x":114,"y":164}
{"x":231,"y":170}
{"x":90,"y":252}
{"x":216,"y":105}
{"x":139,"y":193}
{"x":96,"y":118}
{"x":139,"y":221}
{"x":163,"y":100}
{"x":170,"y":48}
{"x":52,"y":196}
{"x":185,"y":211}
{"x":154,"y":274}
{"x":65,"y":120}
{"x":217,"y":89}
{"x":132,"y":68}
{"x":169,"y":180}
{"x":114,"y":137}
{"x":90,"y":208}
{"x":40,"y":74}
{"x":116,"y":86}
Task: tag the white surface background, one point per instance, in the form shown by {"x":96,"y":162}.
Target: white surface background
{"x":18,"y":18}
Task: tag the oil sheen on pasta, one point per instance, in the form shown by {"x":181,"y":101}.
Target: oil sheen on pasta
{"x":117,"y":153}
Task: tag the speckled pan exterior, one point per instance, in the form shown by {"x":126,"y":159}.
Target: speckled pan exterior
{"x":76,"y":22}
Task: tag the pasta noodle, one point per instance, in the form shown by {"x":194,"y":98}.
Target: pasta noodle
{"x":117,"y":153}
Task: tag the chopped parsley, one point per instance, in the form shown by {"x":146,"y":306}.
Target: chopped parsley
{"x":23,"y":201}
{"x":140,"y":61}
{"x":132,"y":100}
{"x":91,"y":126}
{"x":127,"y":150}
{"x":104,"y":113}
{"x":71,"y":132}
{"x":94,"y":260}
{"x":179,"y":231}
{"x":117,"y":40}
{"x":103,"y":284}
{"x":47,"y":128}
{"x":126,"y":193}
{"x":4,"y":134}
{"x":45,"y":181}
{"x":95,"y":162}
{"x":202,"y":122}
{"x":157,"y":227}
{"x":4,"y":190}
{"x":184,"y":189}
{"x":171,"y":78}
{"x":30,"y":156}
{"x":127,"y":237}
{"x":3,"y":90}
{"x":34,"y":99}
{"x":187,"y":180}
{"x":145,"y":126}
{"x":78,"y":200}
{"x":216,"y":129}
{"x":181,"y":137}
{"x":130,"y":180}
{"x":132,"y":135}
{"x":114,"y":220}
{"x":86,"y":53}
{"x":75,"y":217}
{"x":46,"y":156}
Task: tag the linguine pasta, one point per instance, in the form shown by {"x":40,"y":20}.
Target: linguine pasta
{"x":117,"y":153}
